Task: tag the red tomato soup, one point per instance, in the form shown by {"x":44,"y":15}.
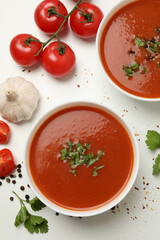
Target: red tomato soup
{"x":53,"y":176}
{"x":130,"y":48}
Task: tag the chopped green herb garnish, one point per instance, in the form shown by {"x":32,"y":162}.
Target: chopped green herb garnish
{"x":34,"y":224}
{"x":159,"y":64}
{"x":130,"y":69}
{"x":153,"y":140}
{"x":100,"y":154}
{"x":80,"y":148}
{"x":64,"y":153}
{"x":87,"y":146}
{"x":144,"y":69}
{"x":139,"y":42}
{"x":76,"y":155}
{"x":91,"y":161}
{"x":155,"y":47}
{"x":74,"y":172}
{"x":135,"y":66}
{"x":95,"y":173}
{"x":70,"y":145}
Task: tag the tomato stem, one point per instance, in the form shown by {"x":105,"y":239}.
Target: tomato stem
{"x":30,"y":39}
{"x":88,"y":16}
{"x":57,"y":32}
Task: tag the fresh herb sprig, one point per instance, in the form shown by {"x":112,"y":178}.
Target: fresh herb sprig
{"x":75,"y":154}
{"x":153,"y":142}
{"x":34,"y":224}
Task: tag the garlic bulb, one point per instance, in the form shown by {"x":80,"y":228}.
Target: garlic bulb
{"x":18,"y":99}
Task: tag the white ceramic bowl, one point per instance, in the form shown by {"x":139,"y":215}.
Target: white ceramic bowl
{"x":99,"y":210}
{"x":98,"y":39}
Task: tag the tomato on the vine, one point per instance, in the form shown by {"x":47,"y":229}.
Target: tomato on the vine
{"x":58,"y":60}
{"x":23,"y":50}
{"x":49,"y":16}
{"x":85,"y":20}
{"x":4,"y":132}
{"x":6,"y":162}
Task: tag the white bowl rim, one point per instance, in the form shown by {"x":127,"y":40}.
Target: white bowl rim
{"x":106,"y":18}
{"x":101,"y":209}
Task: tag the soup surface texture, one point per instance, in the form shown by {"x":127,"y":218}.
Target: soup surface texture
{"x":53,"y":176}
{"x":132,"y":35}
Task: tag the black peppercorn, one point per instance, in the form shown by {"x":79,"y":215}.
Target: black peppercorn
{"x":19,"y":166}
{"x":22,"y":188}
{"x":145,"y":46}
{"x":131,"y":52}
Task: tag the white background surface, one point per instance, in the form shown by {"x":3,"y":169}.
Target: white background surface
{"x":17,"y":17}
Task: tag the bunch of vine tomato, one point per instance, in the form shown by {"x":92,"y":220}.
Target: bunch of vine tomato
{"x":51,"y":16}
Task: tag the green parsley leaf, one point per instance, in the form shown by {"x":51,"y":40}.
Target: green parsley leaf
{"x":100,"y":154}
{"x":36,"y":204}
{"x":70,"y":145}
{"x":156,"y":166}
{"x":159,"y":64}
{"x":74,"y":172}
{"x":153,"y":140}
{"x":139,"y":42}
{"x":21,"y":216}
{"x":36,"y":219}
{"x":95,"y":173}
{"x":36,"y":224}
{"x":77,"y":159}
{"x":80,"y":148}
{"x":64,"y":153}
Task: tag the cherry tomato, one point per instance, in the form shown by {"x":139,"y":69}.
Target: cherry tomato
{"x":6,"y":162}
{"x":58,"y":61}
{"x":85,"y":22}
{"x":4,"y":132}
{"x":23,"y":50}
{"x":47,"y":16}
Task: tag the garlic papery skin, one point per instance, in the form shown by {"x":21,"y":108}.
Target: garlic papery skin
{"x":18,"y":99}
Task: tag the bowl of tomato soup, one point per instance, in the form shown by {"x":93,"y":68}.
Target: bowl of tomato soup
{"x":128,"y":44}
{"x":81,"y":159}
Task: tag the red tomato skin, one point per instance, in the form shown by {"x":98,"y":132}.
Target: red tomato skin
{"x":50,"y":24}
{"x":25,"y":55}
{"x":6,"y":162}
{"x":4,"y":132}
{"x":54,"y":63}
{"x":87,"y":29}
